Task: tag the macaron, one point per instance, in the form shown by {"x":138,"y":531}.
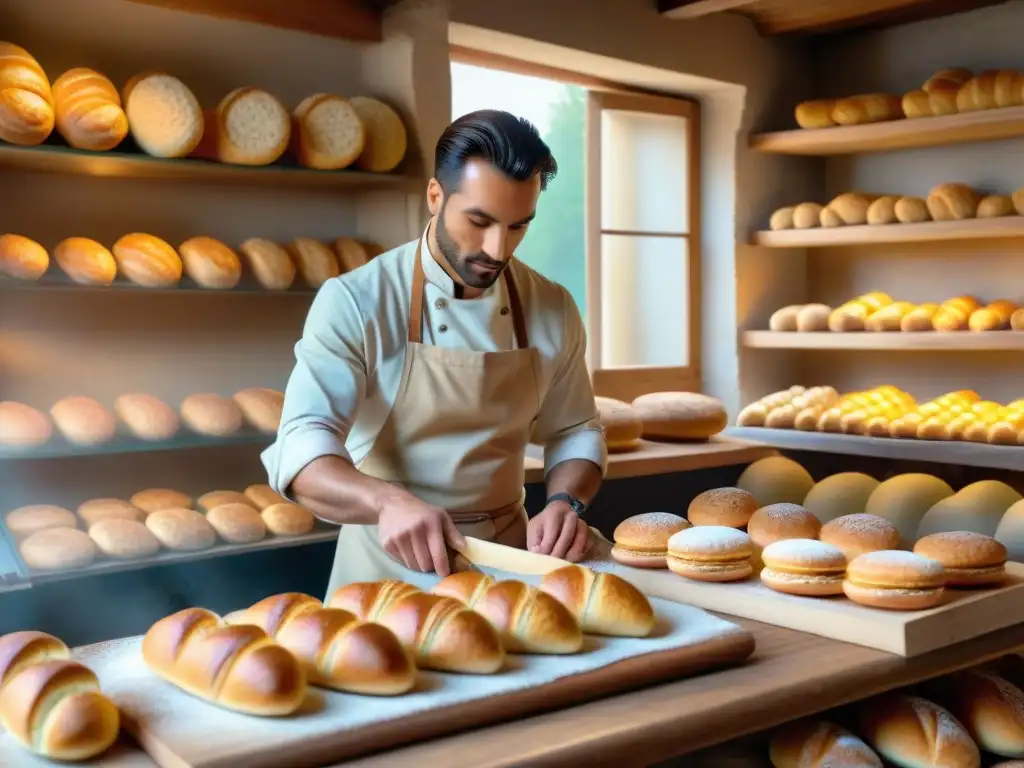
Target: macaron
{"x":782,"y":521}
{"x":894,"y":579}
{"x":710,"y":553}
{"x":642,"y":540}
{"x":803,"y":567}
{"x":860,"y":533}
{"x":731,"y":507}
{"x":970,"y":559}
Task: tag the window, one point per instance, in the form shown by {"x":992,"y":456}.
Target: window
{"x":618,"y":227}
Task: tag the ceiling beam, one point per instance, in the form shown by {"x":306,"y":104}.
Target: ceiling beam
{"x":868,"y":14}
{"x":693,"y":9}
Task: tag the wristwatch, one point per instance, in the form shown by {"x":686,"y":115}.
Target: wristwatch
{"x":579,"y":507}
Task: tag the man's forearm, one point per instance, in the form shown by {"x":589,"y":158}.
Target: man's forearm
{"x":577,"y":477}
{"x":336,"y":491}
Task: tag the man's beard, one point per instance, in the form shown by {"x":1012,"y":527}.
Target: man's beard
{"x":462,"y":264}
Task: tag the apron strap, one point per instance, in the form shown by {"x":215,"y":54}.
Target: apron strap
{"x":416,"y":303}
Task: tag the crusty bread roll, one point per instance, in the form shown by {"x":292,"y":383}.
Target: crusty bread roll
{"x":911,"y":210}
{"x":181,"y":529}
{"x":813,"y":318}
{"x":680,"y":415}
{"x":820,"y":744}
{"x":882,"y":210}
{"x":262,"y":496}
{"x":57,"y":549}
{"x":329,"y":132}
{"x":83,"y":420}
{"x":85,"y":261}
{"x":919,"y":318}
{"x":236,"y":667}
{"x":24,"y":521}
{"x":867,"y":108}
{"x":211,"y":414}
{"x":26,"y":100}
{"x":991,"y":709}
{"x":164,"y":116}
{"x":147,"y":417}
{"x":847,"y":209}
{"x":807,"y":215}
{"x":96,"y":510}
{"x":386,"y":140}
{"x":990,"y":90}
{"x":50,"y":704}
{"x":440,"y":632}
{"x":729,"y":507}
{"x":147,"y":260}
{"x":782,"y":218}
{"x":351,"y":254}
{"x":261,"y":407}
{"x":287,"y":519}
{"x":22,"y":258}
{"x":909,"y":730}
{"x":641,"y":541}
{"x":124,"y":539}
{"x":315,"y":261}
{"x":889,"y":317}
{"x":253,"y":127}
{"x":815,"y":114}
{"x":603,"y":603}
{"x":921,"y":103}
{"x":622,"y":425}
{"x":237,"y":523}
{"x":269,"y":262}
{"x":22,"y":426}
{"x":336,"y":649}
{"x":784,"y":320}
{"x":952,"y":202}
{"x":213,"y":499}
{"x":210,"y":263}
{"x":154,"y":499}
{"x":88,"y":110}
{"x":993,"y":206}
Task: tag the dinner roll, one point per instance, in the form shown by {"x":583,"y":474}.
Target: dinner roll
{"x":261,"y":408}
{"x":351,"y":254}
{"x":262,"y":496}
{"x":819,"y":744}
{"x":85,"y":261}
{"x":845,"y":493}
{"x":211,"y":414}
{"x":147,"y":417}
{"x":731,"y":507}
{"x":97,"y":510}
{"x":213,"y":499}
{"x":57,"y":549}
{"x":776,"y":480}
{"x":20,"y":257}
{"x":22,"y":426}
{"x":621,"y":424}
{"x":269,"y":262}
{"x":154,"y":499}
{"x":237,"y":523}
{"x":124,"y":539}
{"x":904,"y":499}
{"x":857,"y":534}
{"x":210,"y":263}
{"x":680,"y":415}
{"x":911,"y":731}
{"x":147,"y":260}
{"x":24,"y":521}
{"x":181,"y":529}
{"x":288,"y":519}
{"x":316,"y":263}
{"x":83,"y":420}
{"x":970,"y":559}
{"x":642,"y":540}
{"x":777,"y":522}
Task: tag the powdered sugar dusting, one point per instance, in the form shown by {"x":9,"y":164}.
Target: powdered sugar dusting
{"x":1008,"y":692}
{"x":783,"y":511}
{"x":709,"y":538}
{"x":898,"y":565}
{"x":654,"y":521}
{"x":860,"y":523}
{"x":805,"y":552}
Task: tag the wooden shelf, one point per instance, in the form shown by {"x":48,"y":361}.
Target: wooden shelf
{"x":929,"y":231}
{"x":984,"y":125}
{"x":960,"y":341}
{"x":58,"y":448}
{"x":55,"y":281}
{"x":941,"y":452}
{"x":127,"y":165}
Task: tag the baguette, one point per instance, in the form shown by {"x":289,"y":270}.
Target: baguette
{"x":528,"y":620}
{"x":26,"y":99}
{"x":88,"y":110}
{"x":236,"y":667}
{"x":603,"y":603}
{"x":51,"y":705}
{"x":336,"y":649}
{"x":440,"y":632}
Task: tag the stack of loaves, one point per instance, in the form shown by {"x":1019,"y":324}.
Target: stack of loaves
{"x":248,"y":127}
{"x":664,"y":416}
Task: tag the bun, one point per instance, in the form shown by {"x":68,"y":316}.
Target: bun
{"x":253,"y":128}
{"x":815,"y":114}
{"x":88,"y":110}
{"x":993,"y":206}
{"x":969,"y":559}
{"x":807,"y":215}
{"x":731,"y":507}
{"x":262,"y":496}
{"x":951,"y":202}
{"x":26,"y":103}
{"x":782,"y":219}
{"x":22,"y":426}
{"x":288,"y":519}
{"x":775,"y":480}
{"x":386,"y":140}
{"x":351,"y":254}
{"x":210,"y":414}
{"x":124,"y":539}
{"x":85,"y":261}
{"x":181,"y":529}
{"x":24,"y":521}
{"x":164,"y":116}
{"x":882,"y":211}
{"x":269,"y":262}
{"x":867,"y":108}
{"x":57,"y":549}
{"x":847,"y":209}
{"x":21,"y":258}
{"x":803,"y":567}
{"x":813,"y":317}
{"x":641,"y":541}
{"x":621,"y":423}
{"x":856,"y":534}
{"x":777,"y":522}
{"x":147,"y":417}
{"x":83,"y":421}
{"x":711,"y":553}
{"x":315,"y":261}
{"x":215,"y":499}
{"x":261,"y":407}
{"x":147,"y":261}
{"x":336,"y":649}
{"x":210,"y":263}
{"x":908,"y":730}
{"x":97,"y":510}
{"x":992,"y":711}
{"x":820,"y":744}
{"x":237,"y":667}
{"x":154,"y":499}
{"x":603,"y":603}
{"x":911,"y":210}
{"x":894,"y":579}
{"x":680,"y":415}
{"x":237,"y":523}
{"x":784,"y":320}
{"x":330,"y":134}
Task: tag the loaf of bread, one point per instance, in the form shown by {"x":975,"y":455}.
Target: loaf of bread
{"x":252,"y":127}
{"x":909,"y":730}
{"x":351,"y":254}
{"x":603,"y":603}
{"x":147,"y":260}
{"x":850,"y":208}
{"x":782,"y":218}
{"x":889,"y":317}
{"x":620,"y":422}
{"x":237,"y":523}
{"x":867,"y":108}
{"x":50,"y":704}
{"x":210,"y":263}
{"x":993,"y":206}
{"x":211,"y":414}
{"x":261,"y":407}
{"x":527,"y":619}
{"x":911,"y":210}
{"x":440,"y":632}
{"x":919,"y":318}
{"x":994,"y":317}
{"x":989,"y":90}
{"x":22,"y":258}
{"x":386,"y":140}
{"x":815,"y":114}
{"x":328,"y":132}
{"x":315,"y":261}
{"x":57,"y":549}
{"x":83,"y":420}
{"x":124,"y":539}
{"x":952,"y":202}
{"x":88,"y":110}
{"x":269,"y":262}
{"x":164,"y":116}
{"x":24,"y":521}
{"x":288,"y":519}
{"x":813,"y":317}
{"x":680,"y":415}
{"x":85,"y":261}
{"x":882,"y":210}
{"x":820,"y":744}
{"x":22,"y":426}
{"x":336,"y":649}
{"x":807,"y":216}
{"x":262,"y":496}
{"x":96,"y":510}
{"x":26,"y":100}
{"x":184,"y":530}
{"x":237,"y":667}
{"x":784,"y":320}
{"x":147,"y":417}
{"x":213,"y":499}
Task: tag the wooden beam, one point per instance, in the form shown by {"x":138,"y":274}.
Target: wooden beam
{"x":861,"y":15}
{"x":346,"y":19}
{"x":693,"y":9}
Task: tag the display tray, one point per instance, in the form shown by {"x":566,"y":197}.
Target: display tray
{"x":180,"y":731}
{"x":57,"y":447}
{"x":124,"y":754}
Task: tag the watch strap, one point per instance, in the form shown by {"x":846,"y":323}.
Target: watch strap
{"x":579,"y":507}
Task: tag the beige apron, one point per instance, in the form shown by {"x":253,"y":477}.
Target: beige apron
{"x":456,"y":438}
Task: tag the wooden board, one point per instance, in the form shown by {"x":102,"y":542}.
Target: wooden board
{"x":866,"y":234}
{"x":968,"y":341}
{"x":123,"y":754}
{"x":179,"y":731}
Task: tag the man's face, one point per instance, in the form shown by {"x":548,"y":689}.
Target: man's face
{"x":480,"y":225}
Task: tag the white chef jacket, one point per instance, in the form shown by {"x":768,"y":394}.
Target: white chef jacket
{"x":350,"y":358}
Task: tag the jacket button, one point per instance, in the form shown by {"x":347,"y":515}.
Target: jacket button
{"x":442,"y":328}
{"x":504,"y":310}
{"x":440,"y":303}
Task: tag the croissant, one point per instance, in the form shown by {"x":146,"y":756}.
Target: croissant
{"x":604,"y":603}
{"x":336,"y":649}
{"x":441,"y":633}
{"x":528,"y":620}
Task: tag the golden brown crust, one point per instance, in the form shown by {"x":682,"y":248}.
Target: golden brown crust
{"x":603,"y":603}
{"x":648,"y":532}
{"x":909,"y":730}
{"x":262,"y":496}
{"x":288,"y":519}
{"x":731,"y":507}
{"x":820,"y":744}
{"x":154,"y":499}
{"x":777,"y":522}
{"x":860,"y":533}
{"x":680,"y":415}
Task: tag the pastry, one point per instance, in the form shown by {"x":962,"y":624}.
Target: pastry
{"x":603,"y":603}
{"x":642,"y":540}
{"x":803,"y":567}
{"x":711,"y":553}
{"x":969,"y":559}
{"x":860,"y":533}
{"x":894,"y":579}
{"x":731,"y":507}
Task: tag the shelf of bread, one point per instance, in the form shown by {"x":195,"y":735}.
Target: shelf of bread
{"x":984,"y":341}
{"x":75,"y":124}
{"x":952,"y":107}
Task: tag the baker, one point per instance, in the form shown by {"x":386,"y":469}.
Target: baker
{"x":421,"y":377}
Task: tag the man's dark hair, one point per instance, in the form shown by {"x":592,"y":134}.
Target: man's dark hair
{"x":511,"y":144}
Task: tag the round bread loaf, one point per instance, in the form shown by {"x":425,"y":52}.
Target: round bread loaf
{"x":1009,"y":533}
{"x":857,"y":534}
{"x":124,"y":539}
{"x":164,"y":116}
{"x":237,"y":523}
{"x":894,"y":579}
{"x":22,"y":426}
{"x":24,"y":521}
{"x":845,"y":493}
{"x":210,"y":263}
{"x":261,"y":408}
{"x":642,"y":540}
{"x":330,"y":134}
{"x":85,"y":261}
{"x":731,"y":507}
{"x":803,"y":567}
{"x":97,"y":510}
{"x":991,"y":709}
{"x":386,"y":140}
{"x":22,"y":258}
{"x":181,"y":529}
{"x":904,"y":499}
{"x":214,"y":499}
{"x":210,"y":414}
{"x":253,"y":127}
{"x":57,"y":549}
{"x":262,"y":496}
{"x":269,"y":262}
{"x":710,"y":553}
{"x":776,"y":480}
{"x":83,"y":420}
{"x":621,"y":424}
{"x":680,"y":415}
{"x":351,"y":254}
{"x":970,"y":559}
{"x":978,"y":507}
{"x":288,"y":519}
{"x":820,"y":744}
{"x":154,"y":499}
{"x":147,"y":260}
{"x":315,"y":261}
{"x":88,"y":110}
{"x":147,"y":417}
{"x":911,"y":731}
{"x":26,"y":110}
{"x":777,"y":522}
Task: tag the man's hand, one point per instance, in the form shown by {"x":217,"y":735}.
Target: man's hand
{"x":558,"y":531}
{"x":415,"y":533}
